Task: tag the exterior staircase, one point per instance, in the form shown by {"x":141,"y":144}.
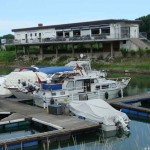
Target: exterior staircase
{"x":139,"y":43}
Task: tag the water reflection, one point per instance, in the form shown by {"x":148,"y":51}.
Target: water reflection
{"x":138,"y":84}
{"x":88,"y":142}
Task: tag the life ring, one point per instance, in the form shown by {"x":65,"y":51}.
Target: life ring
{"x":119,"y":93}
{"x":106,"y":95}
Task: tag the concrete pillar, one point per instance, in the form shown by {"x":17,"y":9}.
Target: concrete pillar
{"x":41,"y":50}
{"x":102,"y":51}
{"x":112,"y":49}
{"x":26,"y":50}
{"x":16,"y":52}
{"x":28,"y":53}
{"x":91,"y":50}
{"x":56,"y":52}
{"x":72,"y":46}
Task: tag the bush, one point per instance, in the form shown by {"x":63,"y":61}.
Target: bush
{"x":140,"y":52}
{"x":34,"y":50}
{"x":7,"y":56}
{"x":10,"y":48}
{"x":48,"y":58}
{"x":63,"y":58}
{"x":148,"y":52}
{"x":132,"y":53}
{"x":124,"y":52}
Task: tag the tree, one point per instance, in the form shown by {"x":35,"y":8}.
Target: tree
{"x":8,"y":36}
{"x":145,"y":25}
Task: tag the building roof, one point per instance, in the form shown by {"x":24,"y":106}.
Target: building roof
{"x":78,"y":24}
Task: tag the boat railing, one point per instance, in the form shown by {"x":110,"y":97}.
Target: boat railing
{"x":120,"y":79}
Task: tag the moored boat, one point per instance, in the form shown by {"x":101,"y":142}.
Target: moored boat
{"x":79,"y":88}
{"x":100,"y":112}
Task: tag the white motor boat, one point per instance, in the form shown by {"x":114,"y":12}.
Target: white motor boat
{"x":22,"y":90}
{"x":79,"y":88}
{"x":99,"y":111}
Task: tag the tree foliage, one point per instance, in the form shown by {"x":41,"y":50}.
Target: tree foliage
{"x":145,"y":25}
{"x":8,"y":36}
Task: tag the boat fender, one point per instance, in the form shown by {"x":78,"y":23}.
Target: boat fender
{"x":119,"y":93}
{"x":106,"y":95}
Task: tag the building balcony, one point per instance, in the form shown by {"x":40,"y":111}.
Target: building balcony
{"x":74,"y":39}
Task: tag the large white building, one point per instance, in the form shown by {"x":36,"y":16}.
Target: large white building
{"x":115,"y":33}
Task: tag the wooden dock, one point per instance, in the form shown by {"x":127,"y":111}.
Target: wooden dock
{"x":123,"y":103}
{"x":66,"y":125}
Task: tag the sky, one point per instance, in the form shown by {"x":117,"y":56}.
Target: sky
{"x":16,"y":14}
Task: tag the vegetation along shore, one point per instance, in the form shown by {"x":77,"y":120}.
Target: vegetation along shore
{"x":129,"y":62}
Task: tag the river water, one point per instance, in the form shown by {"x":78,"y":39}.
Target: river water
{"x":139,"y":139}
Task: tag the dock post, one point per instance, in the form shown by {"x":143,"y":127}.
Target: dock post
{"x":91,"y":50}
{"x":121,"y":93}
{"x":48,"y":142}
{"x":21,"y":146}
{"x":44,"y":148}
{"x":72,"y":96}
{"x":5,"y":146}
{"x":72,"y":47}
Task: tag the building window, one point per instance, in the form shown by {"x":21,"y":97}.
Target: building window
{"x":125,"y":32}
{"x":105,"y":31}
{"x":124,"y":41}
{"x":95,"y":31}
{"x":76,"y":33}
{"x":60,"y":33}
{"x":35,"y":34}
{"x":66,"y":34}
{"x":31,"y":35}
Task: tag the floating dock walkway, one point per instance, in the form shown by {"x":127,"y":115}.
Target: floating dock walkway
{"x":125,"y":104}
{"x":65,"y":126}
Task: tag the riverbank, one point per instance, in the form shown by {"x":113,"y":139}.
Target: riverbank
{"x":119,"y":65}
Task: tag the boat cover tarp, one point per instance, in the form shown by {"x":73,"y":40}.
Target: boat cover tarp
{"x":3,"y":91}
{"x":52,"y":86}
{"x":52,"y":70}
{"x":96,"y":110}
{"x":13,"y":77}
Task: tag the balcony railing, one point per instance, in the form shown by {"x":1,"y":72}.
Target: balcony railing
{"x":96,"y":37}
{"x":143,"y":35}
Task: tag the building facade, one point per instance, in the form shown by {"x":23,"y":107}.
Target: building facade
{"x":115,"y":33}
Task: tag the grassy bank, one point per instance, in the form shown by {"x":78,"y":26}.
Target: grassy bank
{"x":135,"y":64}
{"x":8,"y":59}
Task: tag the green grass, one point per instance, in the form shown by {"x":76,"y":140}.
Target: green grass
{"x":7,"y":57}
{"x":134,"y":63}
{"x":125,"y":64}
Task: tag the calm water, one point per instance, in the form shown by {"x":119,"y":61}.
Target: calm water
{"x":21,"y":129}
{"x":139,"y":139}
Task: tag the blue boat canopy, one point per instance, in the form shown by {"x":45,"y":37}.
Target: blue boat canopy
{"x":55,"y":69}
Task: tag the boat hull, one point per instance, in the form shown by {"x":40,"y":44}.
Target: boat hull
{"x":21,"y":95}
